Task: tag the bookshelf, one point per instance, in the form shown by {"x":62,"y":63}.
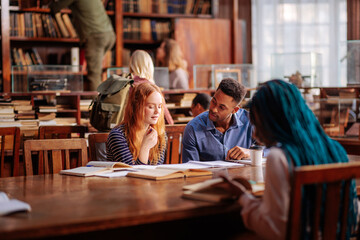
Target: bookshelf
{"x":119,"y":13}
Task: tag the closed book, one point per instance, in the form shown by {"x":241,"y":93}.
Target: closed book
{"x":63,"y":30}
{"x":163,"y":174}
{"x":69,"y":26}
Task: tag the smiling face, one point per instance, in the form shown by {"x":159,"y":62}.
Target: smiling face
{"x":153,"y":106}
{"x":222,"y":107}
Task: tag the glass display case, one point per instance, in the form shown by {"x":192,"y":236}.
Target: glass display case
{"x":337,"y":110}
{"x":209,"y":76}
{"x":304,"y":69}
{"x":350,"y":63}
{"x":45,"y":78}
{"x":161,"y":75}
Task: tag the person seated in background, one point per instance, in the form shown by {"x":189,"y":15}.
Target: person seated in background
{"x":200,"y":104}
{"x":141,"y":67}
{"x":140,"y":137}
{"x":223,"y":132}
{"x":170,"y":55}
{"x":283,"y":121}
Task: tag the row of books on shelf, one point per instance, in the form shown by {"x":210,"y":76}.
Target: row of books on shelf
{"x":30,"y":24}
{"x":108,"y":4}
{"x":22,"y":57}
{"x":145,"y":29}
{"x":168,"y":6}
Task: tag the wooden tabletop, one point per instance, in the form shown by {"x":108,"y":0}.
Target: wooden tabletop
{"x":63,"y":205}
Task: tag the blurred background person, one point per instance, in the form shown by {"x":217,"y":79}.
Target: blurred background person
{"x":170,"y":55}
{"x":95,"y":30}
{"x":200,"y":104}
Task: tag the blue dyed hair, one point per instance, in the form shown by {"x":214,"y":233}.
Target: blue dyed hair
{"x":288,"y":121}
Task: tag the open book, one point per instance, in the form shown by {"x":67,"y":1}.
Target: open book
{"x":8,"y":206}
{"x":96,"y":167}
{"x":162,"y":174}
{"x":210,"y":190}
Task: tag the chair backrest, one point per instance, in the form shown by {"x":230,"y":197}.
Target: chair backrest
{"x":337,"y":178}
{"x":97,"y":147}
{"x":57,"y":132}
{"x":15,"y":132}
{"x":174,"y":143}
{"x":56,"y":154}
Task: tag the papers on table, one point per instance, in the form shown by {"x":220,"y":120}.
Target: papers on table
{"x":8,"y":206}
{"x":244,"y":161}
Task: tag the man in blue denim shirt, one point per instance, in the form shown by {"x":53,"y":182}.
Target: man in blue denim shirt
{"x":223,"y":132}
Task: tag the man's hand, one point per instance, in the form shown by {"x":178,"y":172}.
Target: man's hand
{"x":238,"y":153}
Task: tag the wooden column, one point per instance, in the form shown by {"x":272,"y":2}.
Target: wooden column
{"x":353,"y":19}
{"x":245,"y":14}
{"x":118,"y":32}
{"x":5,"y":46}
{"x":234,"y":33}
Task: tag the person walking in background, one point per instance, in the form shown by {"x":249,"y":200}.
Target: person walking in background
{"x":140,"y":137}
{"x":170,"y":55}
{"x":95,"y":30}
{"x":141,"y":68}
{"x":200,"y":104}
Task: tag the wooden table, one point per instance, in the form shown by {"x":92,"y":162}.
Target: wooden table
{"x":94,"y":207}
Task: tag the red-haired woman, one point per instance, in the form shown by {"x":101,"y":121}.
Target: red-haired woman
{"x":140,"y":137}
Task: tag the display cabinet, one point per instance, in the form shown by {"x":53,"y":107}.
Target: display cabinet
{"x":44,"y":78}
{"x":304,"y":69}
{"x":337,"y":109}
{"x":209,"y":76}
{"x":161,"y":75}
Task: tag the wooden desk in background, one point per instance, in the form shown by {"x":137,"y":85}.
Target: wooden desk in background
{"x":94,"y":207}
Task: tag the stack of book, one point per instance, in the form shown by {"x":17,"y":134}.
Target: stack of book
{"x":7,"y":114}
{"x":23,"y":109}
{"x":187,"y":99}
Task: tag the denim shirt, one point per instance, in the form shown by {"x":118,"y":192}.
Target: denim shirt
{"x":203,"y":142}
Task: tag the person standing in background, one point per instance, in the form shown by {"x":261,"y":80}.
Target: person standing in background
{"x":170,"y":55}
{"x":95,"y":31}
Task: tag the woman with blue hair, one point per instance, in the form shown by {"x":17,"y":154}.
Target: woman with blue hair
{"x":284,"y":122}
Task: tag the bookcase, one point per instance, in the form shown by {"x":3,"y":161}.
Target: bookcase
{"x":138,"y":24}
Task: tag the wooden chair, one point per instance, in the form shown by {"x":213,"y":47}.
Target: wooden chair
{"x":174,"y":146}
{"x":337,"y":178}
{"x":58,"y":132}
{"x":15,"y":132}
{"x":59,"y":157}
{"x":95,"y":142}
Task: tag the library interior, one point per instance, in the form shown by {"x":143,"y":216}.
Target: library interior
{"x":193,"y":118}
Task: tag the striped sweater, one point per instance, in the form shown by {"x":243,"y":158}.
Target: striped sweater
{"x":117,"y":148}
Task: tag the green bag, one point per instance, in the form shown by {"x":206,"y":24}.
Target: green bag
{"x":107,"y":109}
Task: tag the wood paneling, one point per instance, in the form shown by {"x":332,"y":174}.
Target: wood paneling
{"x":353,"y":19}
{"x":204,"y":41}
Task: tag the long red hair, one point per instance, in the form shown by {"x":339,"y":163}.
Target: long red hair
{"x":134,"y":121}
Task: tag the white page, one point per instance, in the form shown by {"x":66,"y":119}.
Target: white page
{"x":143,"y":167}
{"x":112,"y":174}
{"x":217,"y":163}
{"x":8,"y":206}
{"x":245,"y":161}
{"x":182,"y":166}
{"x":84,"y":171}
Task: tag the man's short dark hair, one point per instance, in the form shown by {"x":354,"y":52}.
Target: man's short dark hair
{"x":233,"y":89}
{"x":203,"y":99}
